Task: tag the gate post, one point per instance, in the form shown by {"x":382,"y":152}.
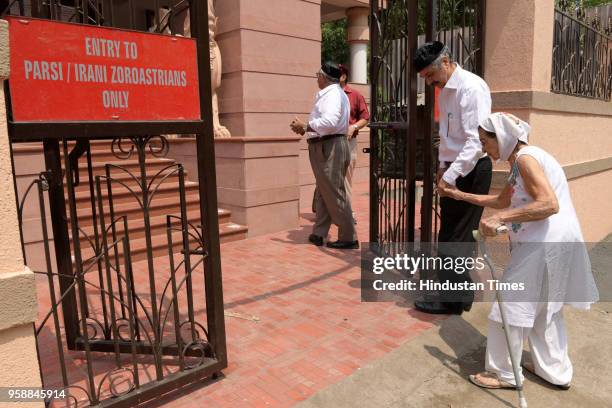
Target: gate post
{"x":18,"y":305}
{"x":519,"y":40}
{"x":518,"y":60}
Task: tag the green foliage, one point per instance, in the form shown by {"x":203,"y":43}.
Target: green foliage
{"x":334,"y":46}
{"x":594,"y":3}
{"x":587,"y":3}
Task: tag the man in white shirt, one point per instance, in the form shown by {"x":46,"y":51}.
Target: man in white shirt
{"x":465,"y":101}
{"x":330,"y":156}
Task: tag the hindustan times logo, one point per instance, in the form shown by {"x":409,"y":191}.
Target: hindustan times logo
{"x":411,"y":264}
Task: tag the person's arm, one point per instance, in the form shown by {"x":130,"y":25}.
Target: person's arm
{"x":356,"y":127}
{"x":538,"y":187}
{"x":364,"y":117}
{"x":475,"y":106}
{"x":499,"y":201}
{"x":536,"y":184}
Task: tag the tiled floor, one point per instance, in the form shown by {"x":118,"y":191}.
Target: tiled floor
{"x":295,"y":323}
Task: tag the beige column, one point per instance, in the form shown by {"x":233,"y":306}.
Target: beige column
{"x":18,"y":307}
{"x":271,"y":50}
{"x":518,"y":45}
{"x":358,"y":35}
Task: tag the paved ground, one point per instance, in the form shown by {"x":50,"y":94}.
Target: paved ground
{"x":431,"y":370}
{"x":312,"y":330}
{"x":297,"y":332}
{"x":295,"y":323}
{"x":318,"y":343}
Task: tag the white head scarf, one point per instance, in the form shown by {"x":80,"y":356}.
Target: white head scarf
{"x":509,"y":130}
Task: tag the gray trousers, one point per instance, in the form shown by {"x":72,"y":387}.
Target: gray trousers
{"x":351,"y":168}
{"x":349,"y":174}
{"x":330,"y":160}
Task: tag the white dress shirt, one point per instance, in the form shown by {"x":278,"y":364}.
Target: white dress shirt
{"x":464,"y":102}
{"x":330,"y":115}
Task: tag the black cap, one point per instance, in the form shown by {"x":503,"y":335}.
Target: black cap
{"x":331,"y":69}
{"x":426,"y":54}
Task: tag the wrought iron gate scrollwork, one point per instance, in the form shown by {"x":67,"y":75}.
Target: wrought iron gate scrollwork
{"x":122,"y":318}
{"x":402,"y":137}
{"x":582,"y":56}
{"x":118,"y":320}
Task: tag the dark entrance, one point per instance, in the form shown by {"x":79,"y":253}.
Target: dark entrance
{"x":117,"y":332}
{"x":403,"y":137}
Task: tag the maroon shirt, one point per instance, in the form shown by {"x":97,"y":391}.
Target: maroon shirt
{"x":359,"y":108}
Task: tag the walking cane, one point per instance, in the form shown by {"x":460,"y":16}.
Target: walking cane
{"x":515,"y":367}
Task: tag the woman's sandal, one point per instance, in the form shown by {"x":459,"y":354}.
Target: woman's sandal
{"x":528,"y":366}
{"x":492,"y":383}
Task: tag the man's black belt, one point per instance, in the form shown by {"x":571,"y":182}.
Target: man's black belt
{"x":312,"y":140}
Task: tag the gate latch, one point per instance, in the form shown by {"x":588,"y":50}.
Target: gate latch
{"x":366,"y":150}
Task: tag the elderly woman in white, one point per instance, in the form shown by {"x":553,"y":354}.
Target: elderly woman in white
{"x":548,"y":256}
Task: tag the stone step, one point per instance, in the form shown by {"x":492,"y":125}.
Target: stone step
{"x":167,"y":189}
{"x":120,"y":178}
{"x":159,"y":206}
{"x":159,"y":243}
{"x":153,"y":166}
{"x":165,"y":200}
{"x":100,"y":149}
{"x":105,"y":154}
{"x":157,"y":224}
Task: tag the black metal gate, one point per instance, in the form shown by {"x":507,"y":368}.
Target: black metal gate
{"x":117,"y":332}
{"x":403,"y":132}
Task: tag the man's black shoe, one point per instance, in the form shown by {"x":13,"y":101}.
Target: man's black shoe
{"x":316,"y":240}
{"x":466,"y":306}
{"x":436,"y":308}
{"x":344,"y":245}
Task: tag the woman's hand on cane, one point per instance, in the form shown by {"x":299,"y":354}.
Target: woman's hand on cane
{"x":489,"y":226}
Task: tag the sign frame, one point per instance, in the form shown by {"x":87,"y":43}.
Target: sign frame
{"x":27,"y":131}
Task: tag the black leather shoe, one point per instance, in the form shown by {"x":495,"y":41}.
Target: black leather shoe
{"x":344,"y":245}
{"x":466,"y":306}
{"x":436,"y":308}
{"x":316,"y":240}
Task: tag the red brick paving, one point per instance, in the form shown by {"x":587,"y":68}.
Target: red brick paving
{"x":312,"y":331}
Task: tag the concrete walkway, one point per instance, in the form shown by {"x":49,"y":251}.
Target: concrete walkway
{"x":431,"y":370}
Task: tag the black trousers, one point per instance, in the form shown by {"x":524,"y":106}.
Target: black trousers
{"x":458,"y":220}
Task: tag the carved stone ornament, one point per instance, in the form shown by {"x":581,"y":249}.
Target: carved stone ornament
{"x":176,"y":21}
{"x":215,"y":71}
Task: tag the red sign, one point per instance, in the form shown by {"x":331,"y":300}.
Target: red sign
{"x":72,"y":72}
